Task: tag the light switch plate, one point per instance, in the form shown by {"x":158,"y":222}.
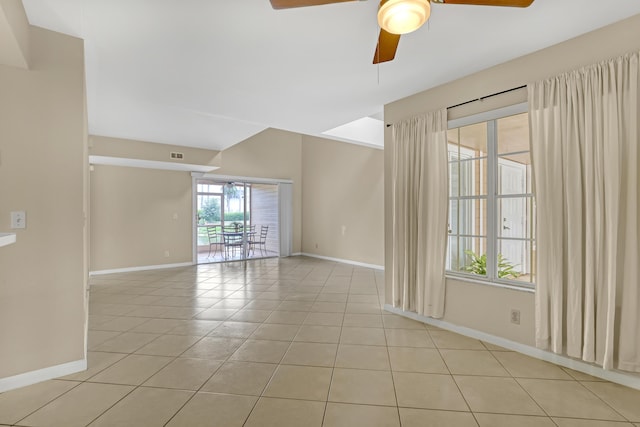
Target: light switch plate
{"x":18,"y":219}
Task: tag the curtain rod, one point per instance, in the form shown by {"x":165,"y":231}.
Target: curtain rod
{"x":482,"y":98}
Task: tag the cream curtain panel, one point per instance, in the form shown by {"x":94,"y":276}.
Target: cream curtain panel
{"x":420,"y":208}
{"x":584,"y":143}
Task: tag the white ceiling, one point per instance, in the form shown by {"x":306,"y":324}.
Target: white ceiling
{"x":211,"y":73}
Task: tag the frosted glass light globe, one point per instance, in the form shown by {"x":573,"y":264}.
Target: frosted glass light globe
{"x":403,"y":16}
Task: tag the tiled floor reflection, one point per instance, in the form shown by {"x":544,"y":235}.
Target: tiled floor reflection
{"x":295,"y":342}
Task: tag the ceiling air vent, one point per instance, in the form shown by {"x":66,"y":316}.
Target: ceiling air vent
{"x":176,"y":155}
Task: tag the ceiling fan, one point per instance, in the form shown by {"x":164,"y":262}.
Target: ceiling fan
{"x":397,"y":17}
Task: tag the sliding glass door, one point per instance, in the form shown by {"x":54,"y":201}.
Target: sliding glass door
{"x":209,"y":204}
{"x":236,"y":221}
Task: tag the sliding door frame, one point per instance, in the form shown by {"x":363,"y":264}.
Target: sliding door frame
{"x":284,"y":218}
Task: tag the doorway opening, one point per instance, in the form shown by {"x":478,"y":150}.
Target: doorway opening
{"x":236,"y":220}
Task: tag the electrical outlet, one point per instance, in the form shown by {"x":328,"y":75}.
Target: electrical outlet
{"x":166,"y":254}
{"x":515,"y":316}
{"x":18,"y":219}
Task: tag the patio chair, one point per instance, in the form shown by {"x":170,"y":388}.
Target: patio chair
{"x":214,"y":240}
{"x":233,"y":241}
{"x":260,"y":240}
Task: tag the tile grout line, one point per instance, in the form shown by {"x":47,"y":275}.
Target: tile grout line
{"x":86,"y":380}
{"x":135,"y":387}
{"x":391,"y":371}
{"x":520,"y":385}
{"x":452,"y":377}
{"x":603,"y":401}
{"x":271,"y":377}
{"x":333,"y":368}
{"x":47,"y":403}
{"x":164,"y":366}
{"x":291,"y":283}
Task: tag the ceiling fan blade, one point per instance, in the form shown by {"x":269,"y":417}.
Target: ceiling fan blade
{"x":287,"y":4}
{"x":387,"y":46}
{"x":508,"y":3}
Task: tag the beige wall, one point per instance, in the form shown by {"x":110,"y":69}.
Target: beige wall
{"x":138,"y":215}
{"x":477,"y":306}
{"x":140,"y":150}
{"x":342,"y":200}
{"x":274,"y":154}
{"x":132,"y":210}
{"x":43,"y":158}
{"x":14,"y":34}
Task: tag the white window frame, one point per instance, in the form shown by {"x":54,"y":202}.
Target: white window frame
{"x":492,"y":198}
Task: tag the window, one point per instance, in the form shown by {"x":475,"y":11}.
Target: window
{"x":491,"y":207}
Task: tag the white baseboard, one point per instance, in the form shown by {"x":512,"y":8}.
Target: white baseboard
{"x":28,"y":378}
{"x":141,"y":268}
{"x":344,"y":261}
{"x":618,"y":377}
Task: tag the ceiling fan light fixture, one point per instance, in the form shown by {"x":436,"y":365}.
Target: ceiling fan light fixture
{"x":403,"y":16}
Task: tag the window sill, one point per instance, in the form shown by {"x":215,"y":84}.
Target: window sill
{"x":468,"y":279}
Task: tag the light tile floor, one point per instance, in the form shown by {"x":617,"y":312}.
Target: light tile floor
{"x":296,"y":342}
{"x":218,"y":255}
